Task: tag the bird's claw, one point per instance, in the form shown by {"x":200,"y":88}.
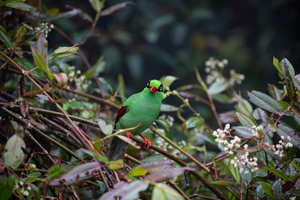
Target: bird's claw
{"x":147,"y":143}
{"x":129,"y":135}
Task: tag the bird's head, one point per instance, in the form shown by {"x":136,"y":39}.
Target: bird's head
{"x":155,"y":86}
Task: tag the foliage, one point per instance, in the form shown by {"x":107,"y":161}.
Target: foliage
{"x":55,"y":128}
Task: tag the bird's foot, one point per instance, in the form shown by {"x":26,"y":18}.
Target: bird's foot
{"x":147,"y":142}
{"x":129,"y":135}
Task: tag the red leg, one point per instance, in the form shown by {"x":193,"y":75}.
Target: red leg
{"x":147,"y":142}
{"x":129,"y":135}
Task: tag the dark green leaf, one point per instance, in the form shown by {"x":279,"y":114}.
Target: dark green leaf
{"x":221,"y":183}
{"x":21,"y":6}
{"x":6,"y":40}
{"x":155,"y":166}
{"x":277,"y":65}
{"x":54,"y":172}
{"x":284,"y":130}
{"x":19,"y":34}
{"x":244,"y":132}
{"x":42,"y":46}
{"x":222,"y":98}
{"x":267,"y":188}
{"x":228,"y":117}
{"x":234,"y":172}
{"x":63,"y":15}
{"x":277,"y":173}
{"x":264,"y":101}
{"x":193,"y":122}
{"x":287,"y":69}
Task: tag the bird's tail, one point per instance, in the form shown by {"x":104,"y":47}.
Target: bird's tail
{"x":116,"y":149}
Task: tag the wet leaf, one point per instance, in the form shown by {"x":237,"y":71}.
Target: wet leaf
{"x":13,"y":155}
{"x":21,"y":6}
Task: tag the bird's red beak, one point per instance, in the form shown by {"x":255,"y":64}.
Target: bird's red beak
{"x":153,"y":89}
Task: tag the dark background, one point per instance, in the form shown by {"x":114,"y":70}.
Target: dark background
{"x":170,"y":37}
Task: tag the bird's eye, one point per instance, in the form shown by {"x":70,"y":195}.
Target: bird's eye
{"x":161,"y":87}
{"x":148,"y":84}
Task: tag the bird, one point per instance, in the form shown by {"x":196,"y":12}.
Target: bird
{"x":139,"y":109}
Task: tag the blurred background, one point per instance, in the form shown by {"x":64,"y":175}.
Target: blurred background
{"x":170,"y":37}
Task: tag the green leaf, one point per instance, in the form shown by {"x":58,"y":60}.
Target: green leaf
{"x":65,"y":51}
{"x":63,"y":15}
{"x":137,"y":172}
{"x":260,"y":114}
{"x":6,"y":40}
{"x":26,"y":65}
{"x":284,"y":106}
{"x":193,"y":122}
{"x":245,"y":121}
{"x":35,"y":174}
{"x":126,"y":190}
{"x":54,"y":172}
{"x":96,"y":4}
{"x":218,"y":87}
{"x":13,"y":154}
{"x":52,"y":11}
{"x":243,"y":106}
{"x":277,"y":189}
{"x":93,"y":154}
{"x":267,"y":188}
{"x":164,"y":123}
{"x":277,"y":65}
{"x":77,"y":174}
{"x":167,"y":80}
{"x":165,"y":192}
{"x":21,"y":6}
{"x":222,"y":98}
{"x":101,"y":186}
{"x":277,"y":173}
{"x":168,"y":108}
{"x":264,"y":101}
{"x":246,"y":176}
{"x":234,"y":172}
{"x":113,"y":165}
{"x":7,"y":187}
{"x":39,"y":59}
{"x":276,"y":93}
{"x":98,"y":67}
{"x":106,"y":129}
{"x":114,"y":8}
{"x":78,"y":105}
{"x":221,"y":183}
{"x":103,"y":81}
{"x":19,"y":34}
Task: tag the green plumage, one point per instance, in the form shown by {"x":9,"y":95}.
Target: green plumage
{"x":142,"y":108}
